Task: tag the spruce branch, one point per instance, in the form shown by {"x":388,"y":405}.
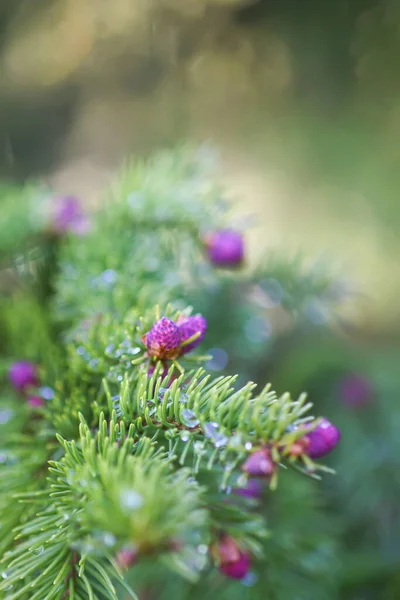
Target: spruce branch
{"x":138,"y":452}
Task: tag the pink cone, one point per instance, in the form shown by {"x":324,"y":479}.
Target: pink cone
{"x":259,"y":464}
{"x":35,"y":401}
{"x":23,"y":374}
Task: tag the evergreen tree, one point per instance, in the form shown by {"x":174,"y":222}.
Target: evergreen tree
{"x":128,"y":468}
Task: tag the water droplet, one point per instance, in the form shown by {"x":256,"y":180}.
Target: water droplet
{"x":249,"y":580}
{"x":242,"y":480}
{"x":46,"y":392}
{"x":184,"y":436}
{"x":151,"y":405}
{"x":229,"y":466}
{"x":109,"y":539}
{"x":184,"y":398}
{"x":189,"y":418}
{"x":210,"y":430}
{"x":135,"y":350}
{"x":219,"y":359}
{"x":94,"y":363}
{"x":220,"y":440}
{"x":119,"y":378}
{"x":5,"y":415}
{"x":199,"y":448}
{"x":81,"y":350}
{"x":236,"y":441}
{"x":109,"y":277}
{"x":202,"y":549}
{"x":110,"y":349}
{"x":115,"y":400}
{"x":3,"y":457}
{"x":248,"y":445}
{"x":131,"y":500}
{"x":39,"y":550}
{"x":161,"y":393}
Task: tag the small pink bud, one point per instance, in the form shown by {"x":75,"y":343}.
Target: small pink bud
{"x":355,"y":390}
{"x":68,"y":216}
{"x":23,"y":374}
{"x":253,"y":489}
{"x":259,"y":464}
{"x":322,"y":440}
{"x":225,"y":248}
{"x":126,"y":557}
{"x":232,"y":562}
{"x":35,"y":401}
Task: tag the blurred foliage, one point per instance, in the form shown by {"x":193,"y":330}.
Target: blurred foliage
{"x":299,"y":96}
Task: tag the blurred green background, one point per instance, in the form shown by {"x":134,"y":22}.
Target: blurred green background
{"x":301,"y":98}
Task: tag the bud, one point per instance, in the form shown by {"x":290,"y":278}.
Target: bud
{"x":67,"y":215}
{"x":190,"y":326}
{"x":163,"y":340}
{"x":253,"y":489}
{"x":225,"y":248}
{"x":126,"y":557}
{"x":355,"y":390}
{"x":322,"y":440}
{"x":35,"y":401}
{"x":259,"y":464}
{"x":23,"y":374}
{"x":231,"y":561}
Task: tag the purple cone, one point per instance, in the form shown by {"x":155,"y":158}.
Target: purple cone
{"x":355,"y":390}
{"x":23,"y":374}
{"x":188,"y":327}
{"x":253,"y":489}
{"x":68,"y":216}
{"x":322,"y":440}
{"x":163,"y":340}
{"x":232,"y":561}
{"x":126,"y":557}
{"x":35,"y":401}
{"x":259,"y":464}
{"x":225,"y":248}
{"x":237,"y":569}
